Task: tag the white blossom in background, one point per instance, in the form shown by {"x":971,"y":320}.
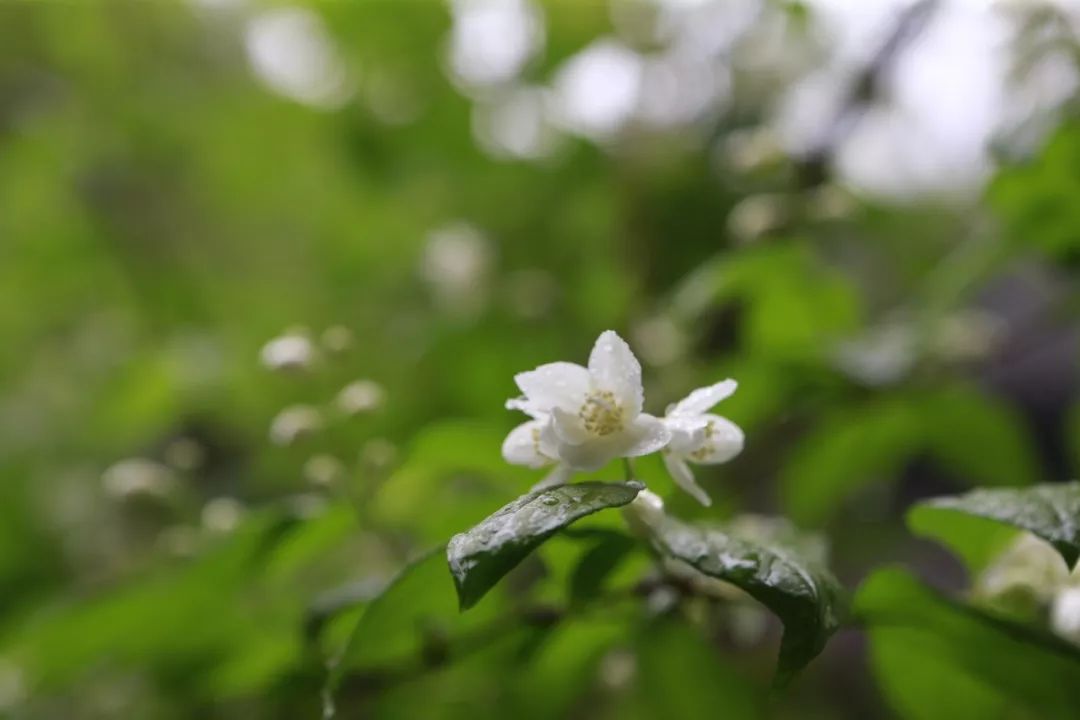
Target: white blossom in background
{"x":700,"y":437}
{"x":457,"y":262}
{"x":659,"y":340}
{"x":584,"y":417}
{"x":491,"y":41}
{"x":222,"y":514}
{"x":291,"y":53}
{"x":289,"y":352}
{"x":595,"y":93}
{"x":13,"y":690}
{"x":1029,"y":566}
{"x":323,"y":470}
{"x":513,"y":124}
{"x":137,"y":476}
{"x":361,"y":396}
{"x":1065,"y":614}
{"x":337,"y":339}
{"x":185,"y":454}
{"x":294,"y":423}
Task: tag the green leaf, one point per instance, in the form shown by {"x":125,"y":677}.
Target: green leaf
{"x":188,"y":614}
{"x":776,"y":566}
{"x":597,"y":564}
{"x":975,"y":540}
{"x":978,"y":437}
{"x":414,"y":613}
{"x":850,"y":448}
{"x":975,"y":660}
{"x":1050,"y":511}
{"x":681,"y":675}
{"x":480,"y":557}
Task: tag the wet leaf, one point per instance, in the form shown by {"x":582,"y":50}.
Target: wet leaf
{"x":480,"y":557}
{"x":1051,"y":512}
{"x":939,"y":659}
{"x":774,"y":564}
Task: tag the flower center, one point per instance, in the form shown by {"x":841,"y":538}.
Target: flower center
{"x":705,"y":450}
{"x":600,"y":414}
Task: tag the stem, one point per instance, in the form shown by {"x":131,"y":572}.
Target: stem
{"x":628,"y":469}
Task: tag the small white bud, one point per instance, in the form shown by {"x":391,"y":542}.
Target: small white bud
{"x":307,"y":505}
{"x":831,"y":202}
{"x":456,"y":264}
{"x":222,"y":514}
{"x":756,"y":215}
{"x":185,"y":454}
{"x":294,"y":423}
{"x":1029,"y":566}
{"x":378,"y":453}
{"x":137,"y":476}
{"x":360,"y":396}
{"x":323,"y":470}
{"x":179,"y":540}
{"x":618,"y":668}
{"x":648,"y":508}
{"x":337,"y":339}
{"x":659,"y":340}
{"x":288,"y":353}
{"x":751,"y":149}
{"x":12,"y":685}
{"x":1065,"y":614}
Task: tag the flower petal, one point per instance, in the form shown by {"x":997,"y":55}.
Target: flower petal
{"x":704,"y":399}
{"x":522,"y":446}
{"x":557,"y":384}
{"x":526,"y":407}
{"x":588,"y":456}
{"x":613,"y":367}
{"x":568,"y":427}
{"x":684,"y":478}
{"x":646,"y":434}
{"x":723,"y":441}
{"x":687,"y":432}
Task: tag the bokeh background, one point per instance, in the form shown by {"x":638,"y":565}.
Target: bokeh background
{"x":267,"y":271}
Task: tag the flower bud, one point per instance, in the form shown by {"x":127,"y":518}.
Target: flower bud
{"x":1065,"y":614}
{"x":295,"y":423}
{"x":222,"y":514}
{"x":360,"y":396}
{"x":288,"y":353}
{"x":137,"y":476}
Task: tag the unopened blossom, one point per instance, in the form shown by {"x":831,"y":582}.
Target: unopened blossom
{"x":295,"y":423}
{"x":583,"y":417}
{"x":360,"y":396}
{"x":1065,"y":614}
{"x":222,"y":514}
{"x":289,"y":353}
{"x":134,"y":477}
{"x":698,"y":436}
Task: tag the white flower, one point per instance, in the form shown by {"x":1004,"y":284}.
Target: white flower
{"x":289,"y":352}
{"x":360,"y":396}
{"x":1065,"y":614}
{"x":700,"y":437}
{"x":584,"y":417}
